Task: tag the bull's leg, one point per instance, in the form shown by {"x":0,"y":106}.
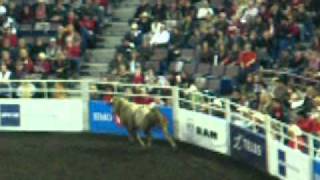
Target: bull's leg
{"x":149,"y":137}
{"x":140,"y":139}
{"x":168,"y":137}
{"x":131,"y":135}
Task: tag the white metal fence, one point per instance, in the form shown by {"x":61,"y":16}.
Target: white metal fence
{"x":178,"y":98}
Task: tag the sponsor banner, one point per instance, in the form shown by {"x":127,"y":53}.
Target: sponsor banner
{"x":288,"y":163}
{"x":316,"y":169}
{"x":41,"y":115}
{"x":102,"y":120}
{"x":248,"y":147}
{"x":10,"y":115}
{"x":203,"y":130}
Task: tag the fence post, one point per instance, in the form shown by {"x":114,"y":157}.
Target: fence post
{"x":311,"y":145}
{"x":85,"y":94}
{"x":268,"y":137}
{"x":175,"y":108}
{"x":228,"y":118}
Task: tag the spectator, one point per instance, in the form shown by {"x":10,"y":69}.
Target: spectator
{"x":5,"y":75}
{"x":138,"y":77}
{"x":279,"y":111}
{"x":41,"y":11}
{"x":59,"y":12}
{"x":19,"y":72}
{"x":52,"y":49}
{"x":159,"y":10}
{"x":161,"y":38}
{"x":26,"y":90}
{"x":6,"y":59}
{"x":60,"y":91}
{"x":144,"y":98}
{"x":43,"y":66}
{"x":61,"y":66}
{"x":134,"y":62}
{"x":26,"y":15}
{"x":134,"y":37}
{"x":27,"y":62}
{"x":205,"y":11}
{"x":206,"y":54}
{"x":144,"y":23}
{"x":296,"y":141}
{"x":143,"y":7}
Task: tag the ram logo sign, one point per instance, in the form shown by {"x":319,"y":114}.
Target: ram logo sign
{"x":10,"y":115}
{"x":203,"y":130}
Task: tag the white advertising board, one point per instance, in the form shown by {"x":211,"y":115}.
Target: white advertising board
{"x":287,"y":163}
{"x":203,"y":130}
{"x":43,"y":115}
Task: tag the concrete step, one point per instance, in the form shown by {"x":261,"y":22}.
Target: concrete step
{"x":95,"y":65}
{"x":130,"y":3}
{"x":124,"y":14}
{"x":102,"y":55}
{"x":111,"y":41}
{"x":117,"y":29}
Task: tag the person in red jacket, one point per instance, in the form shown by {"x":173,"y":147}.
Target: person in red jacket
{"x":247,"y":58}
{"x":145,"y":99}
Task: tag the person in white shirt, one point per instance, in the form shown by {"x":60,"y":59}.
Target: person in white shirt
{"x":205,"y":11}
{"x":156,"y":26}
{"x":251,"y":12}
{"x":160,"y":38}
{"x":6,"y":21}
{"x":5,"y":75}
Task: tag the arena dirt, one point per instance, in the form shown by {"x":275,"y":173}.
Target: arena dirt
{"x":43,"y":156}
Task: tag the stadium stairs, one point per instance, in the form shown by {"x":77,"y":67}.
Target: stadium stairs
{"x":98,"y":59}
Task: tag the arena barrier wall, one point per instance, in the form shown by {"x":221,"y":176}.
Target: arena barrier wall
{"x":248,"y":147}
{"x":203,"y":130}
{"x":316,"y":169}
{"x":238,"y":134}
{"x":103,"y":121}
{"x":287,"y":163}
{"x":33,"y":115}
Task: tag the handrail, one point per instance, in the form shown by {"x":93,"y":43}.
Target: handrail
{"x":292,"y":75}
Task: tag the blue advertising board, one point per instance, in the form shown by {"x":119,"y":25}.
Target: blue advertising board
{"x":10,"y":115}
{"x":102,"y":120}
{"x":316,"y":169}
{"x":248,"y":147}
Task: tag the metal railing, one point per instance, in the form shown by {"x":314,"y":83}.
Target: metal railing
{"x":297,"y":80}
{"x":237,"y":114}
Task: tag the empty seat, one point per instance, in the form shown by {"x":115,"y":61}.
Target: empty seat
{"x":187,"y":54}
{"x":203,"y":69}
{"x":154,"y":65}
{"x":232,"y":71}
{"x":213,"y":85}
{"x":189,"y":69}
{"x":159,"y":54}
{"x":217,"y":71}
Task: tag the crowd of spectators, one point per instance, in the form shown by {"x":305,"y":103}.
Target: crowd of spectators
{"x":47,"y":38}
{"x":282,"y":35}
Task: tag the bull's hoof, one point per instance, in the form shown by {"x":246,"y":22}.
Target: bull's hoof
{"x":175,"y":148}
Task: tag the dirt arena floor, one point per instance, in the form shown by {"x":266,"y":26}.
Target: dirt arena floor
{"x":43,"y":156}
